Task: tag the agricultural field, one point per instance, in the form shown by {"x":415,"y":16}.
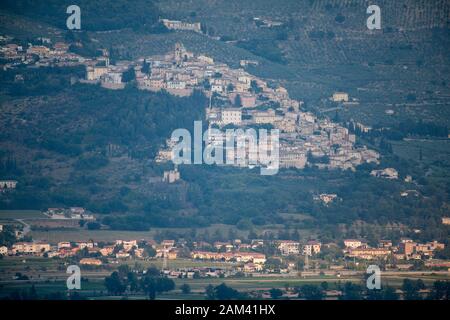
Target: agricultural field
{"x":21,"y":214}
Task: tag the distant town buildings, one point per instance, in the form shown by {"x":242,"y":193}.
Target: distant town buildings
{"x":179,"y":25}
{"x":388,"y":173}
{"x":30,"y":248}
{"x":352,"y":243}
{"x":368,"y":253}
{"x":245,"y":100}
{"x":340,"y":97}
{"x":3,"y":250}
{"x":171,"y":176}
{"x":327,"y":197}
{"x":69,"y":213}
{"x":288,"y":247}
{"x":311,"y":248}
{"x":7,"y":184}
{"x":90,"y":262}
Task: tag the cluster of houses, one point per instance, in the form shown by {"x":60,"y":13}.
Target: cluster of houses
{"x":43,"y":54}
{"x":237,"y":98}
{"x":244,"y":257}
{"x":247,"y":253}
{"x":407,"y":249}
{"x":242,"y":100}
{"x":6,"y":185}
{"x":181,"y":25}
{"x":77,"y":213}
{"x":387,"y":173}
{"x":119,"y":249}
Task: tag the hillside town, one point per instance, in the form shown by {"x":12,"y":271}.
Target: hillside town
{"x":237,"y":99}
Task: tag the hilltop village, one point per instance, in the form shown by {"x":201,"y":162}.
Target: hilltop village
{"x":237,"y":99}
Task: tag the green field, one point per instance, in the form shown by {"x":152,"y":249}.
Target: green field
{"x":21,"y":214}
{"x":84,"y":235}
{"x":112,"y":235}
{"x":432,"y":150}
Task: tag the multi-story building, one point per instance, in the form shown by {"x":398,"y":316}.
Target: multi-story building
{"x":94,"y":73}
{"x":368,"y":253}
{"x":340,"y":97}
{"x":311,"y":247}
{"x":127,"y":245}
{"x":231,"y":116}
{"x":8,"y":184}
{"x":407,"y":248}
{"x":352,"y":243}
{"x":107,"y":250}
{"x":30,"y":248}
{"x":64,"y":245}
{"x":288,"y":247}
{"x":268,"y":116}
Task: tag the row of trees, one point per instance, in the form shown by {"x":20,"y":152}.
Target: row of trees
{"x":410,"y":290}
{"x":151,"y":282}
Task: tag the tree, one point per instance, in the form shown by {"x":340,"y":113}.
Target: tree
{"x":133,"y":281}
{"x":440,"y":290}
{"x":389,"y":294}
{"x":114,"y":284}
{"x":146,"y":67}
{"x":150,"y":251}
{"x":210,"y":293}
{"x":351,"y":292}
{"x":164,"y":284}
{"x":411,"y":289}
{"x":185,"y":288}
{"x":238,"y":101}
{"x":275,"y":293}
{"x":311,"y":292}
{"x":152,"y":283}
{"x":123,"y":270}
{"x":223,"y":292}
{"x":128,"y":75}
{"x":148,"y":285}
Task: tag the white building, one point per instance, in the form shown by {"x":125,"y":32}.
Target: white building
{"x":8,"y":184}
{"x":3,"y":251}
{"x":312,"y":247}
{"x":288,"y":247}
{"x":127,"y":245}
{"x":180,"y":25}
{"x":30,"y":247}
{"x":94,"y":73}
{"x":64,"y":245}
{"x":171,"y":176}
{"x":268,"y":116}
{"x":388,"y":173}
{"x":352,"y":243}
{"x":340,"y":97}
